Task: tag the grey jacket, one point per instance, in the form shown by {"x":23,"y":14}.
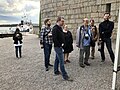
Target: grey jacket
{"x":80,"y":37}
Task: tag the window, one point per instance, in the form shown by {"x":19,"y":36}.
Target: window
{"x":108,"y":7}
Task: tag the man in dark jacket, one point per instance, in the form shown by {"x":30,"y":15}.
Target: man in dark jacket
{"x":58,"y":40}
{"x":105,"y":31}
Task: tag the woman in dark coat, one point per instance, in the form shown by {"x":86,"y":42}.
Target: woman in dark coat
{"x":68,"y":46}
{"x":17,"y":37}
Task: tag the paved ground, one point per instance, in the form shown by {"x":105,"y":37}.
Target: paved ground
{"x":28,"y":73}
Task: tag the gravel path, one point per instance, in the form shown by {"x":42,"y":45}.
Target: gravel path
{"x":28,"y":73}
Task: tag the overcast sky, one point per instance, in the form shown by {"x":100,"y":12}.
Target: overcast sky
{"x":11,"y":11}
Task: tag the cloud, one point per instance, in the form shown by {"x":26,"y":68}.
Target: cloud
{"x":13,"y":10}
{"x":8,"y":17}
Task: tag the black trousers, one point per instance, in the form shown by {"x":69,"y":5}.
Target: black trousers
{"x":18,"y":51}
{"x":109,"y":48}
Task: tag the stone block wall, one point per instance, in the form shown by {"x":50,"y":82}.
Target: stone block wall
{"x":75,"y":10}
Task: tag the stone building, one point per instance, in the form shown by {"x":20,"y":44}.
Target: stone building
{"x":75,"y":10}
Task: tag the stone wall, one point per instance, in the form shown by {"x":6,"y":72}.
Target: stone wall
{"x":36,"y":30}
{"x":75,"y":10}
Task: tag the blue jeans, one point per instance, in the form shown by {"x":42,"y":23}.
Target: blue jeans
{"x":59,"y":60}
{"x":109,"y":47}
{"x":47,"y":52}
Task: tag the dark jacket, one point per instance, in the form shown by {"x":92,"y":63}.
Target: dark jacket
{"x":58,"y":36}
{"x":105,"y":29}
{"x":17,"y":38}
{"x":68,"y":47}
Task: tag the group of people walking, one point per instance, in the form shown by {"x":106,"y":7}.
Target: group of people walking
{"x":86,"y":37}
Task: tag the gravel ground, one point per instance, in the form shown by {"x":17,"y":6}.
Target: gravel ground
{"x":28,"y":73}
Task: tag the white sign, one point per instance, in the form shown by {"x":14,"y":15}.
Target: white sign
{"x":117,"y":56}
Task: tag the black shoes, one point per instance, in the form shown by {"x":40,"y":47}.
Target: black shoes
{"x":92,"y":57}
{"x":50,"y":65}
{"x":103,"y":60}
{"x":86,"y":63}
{"x":57,"y":73}
{"x":68,"y":61}
{"x":82,"y":65}
{"x":47,"y":69}
{"x":68,"y":79}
